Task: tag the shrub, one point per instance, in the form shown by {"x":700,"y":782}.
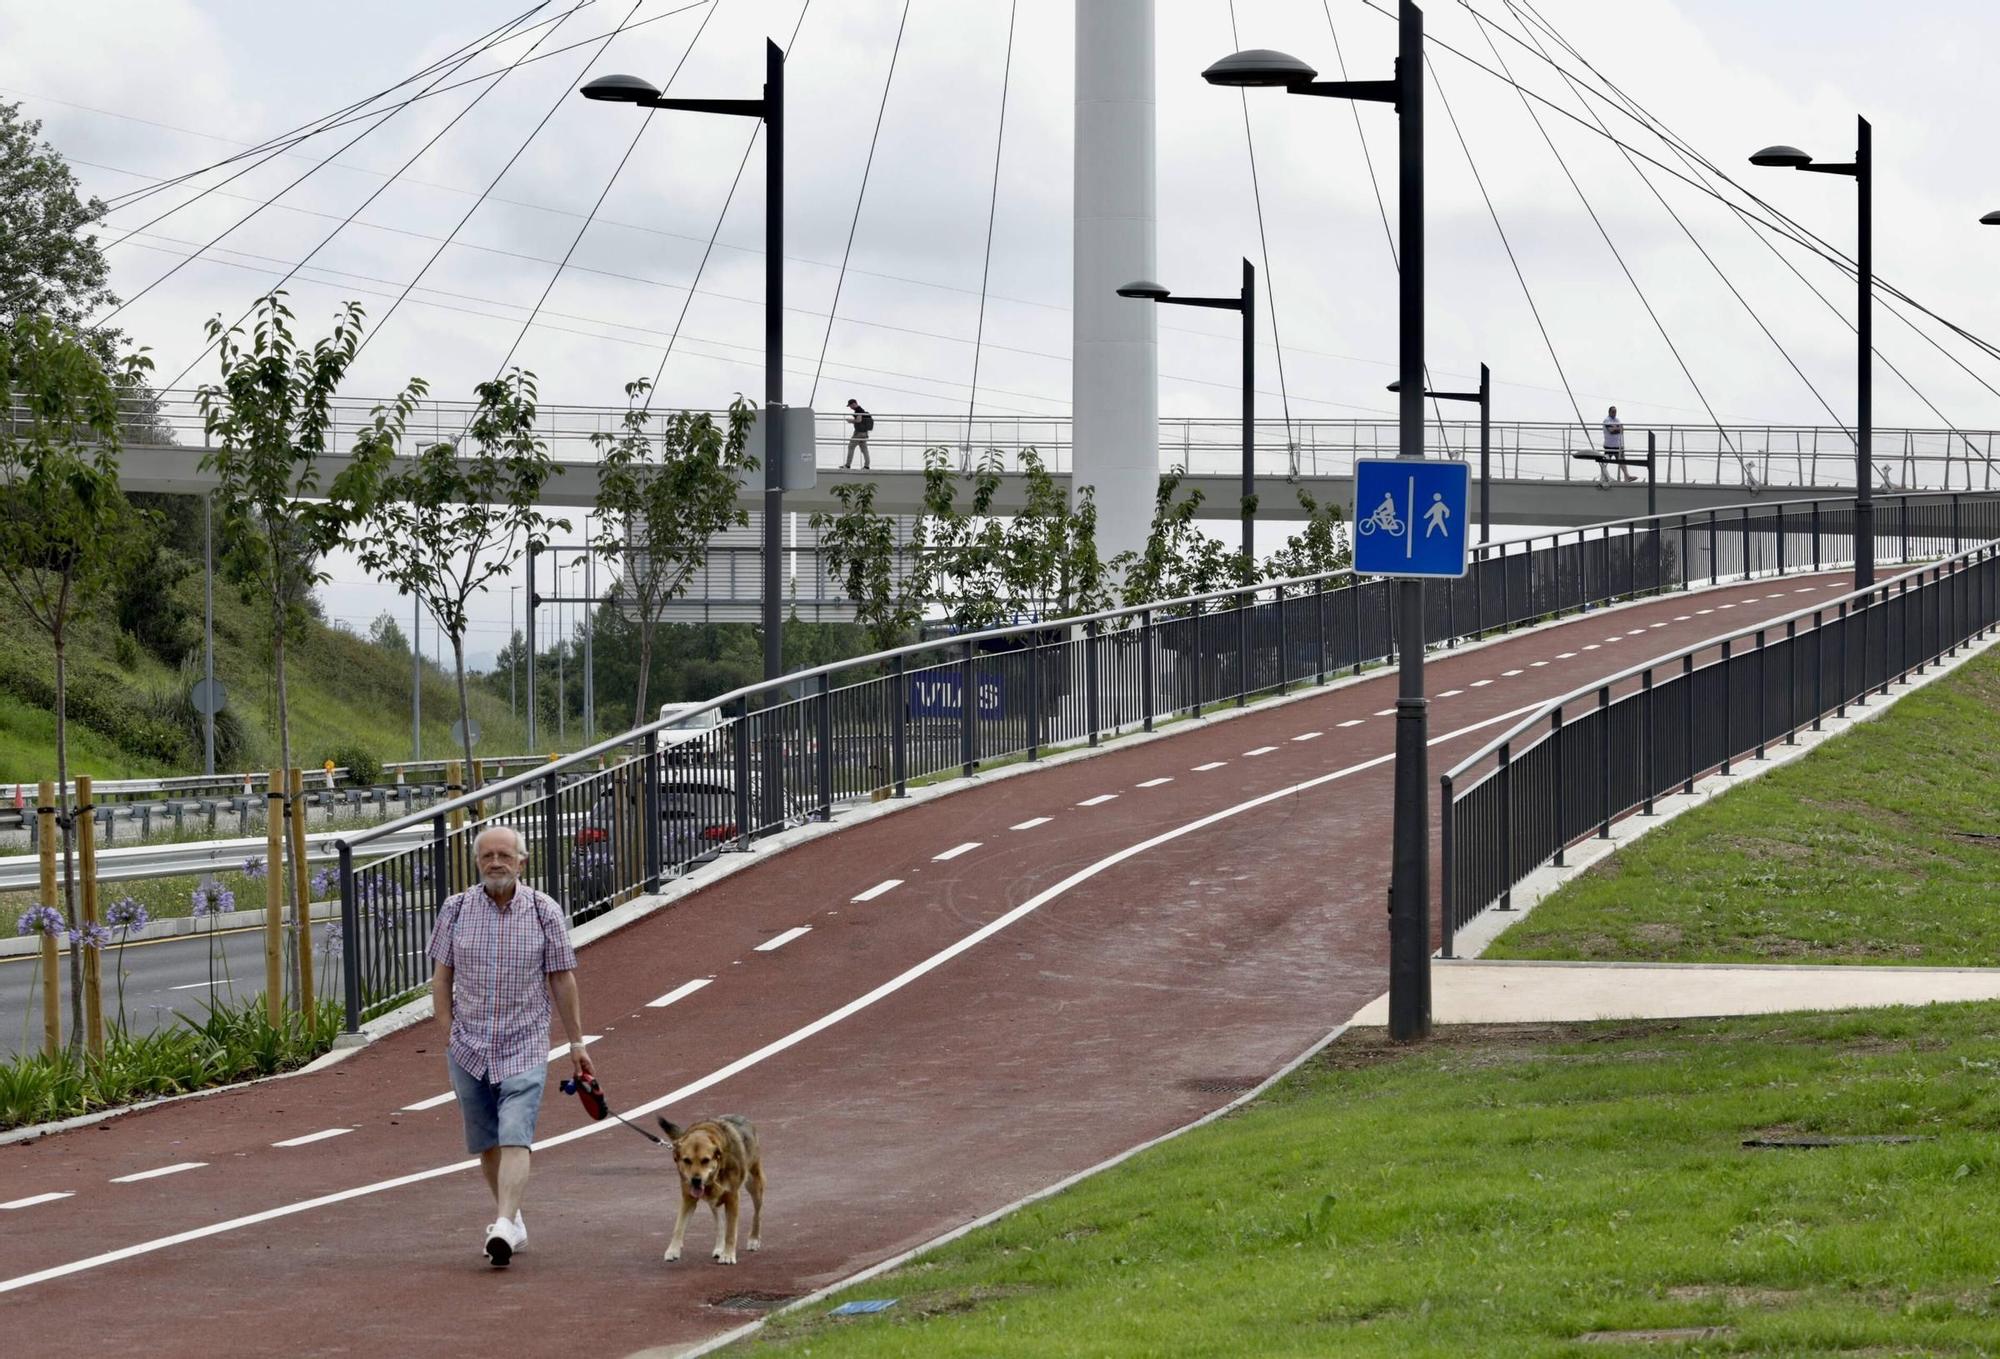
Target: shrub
{"x":125,"y":650}
{"x":364,"y":769}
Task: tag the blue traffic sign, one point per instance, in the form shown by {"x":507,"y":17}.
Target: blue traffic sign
{"x":1410,"y":517}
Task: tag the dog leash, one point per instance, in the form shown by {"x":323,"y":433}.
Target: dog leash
{"x":592,"y":1096}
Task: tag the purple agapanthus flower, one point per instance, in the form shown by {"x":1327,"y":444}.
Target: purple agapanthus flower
{"x":331,"y":937}
{"x":324,"y":880}
{"x":92,"y":935}
{"x":40,"y":919}
{"x":253,"y":868}
{"x":128,"y":915}
{"x":213,"y":899}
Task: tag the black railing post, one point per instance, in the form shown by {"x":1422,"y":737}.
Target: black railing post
{"x":1092,"y":706}
{"x":350,"y":933}
{"x":1819,"y":668}
{"x":1778,"y":525}
{"x":1242,"y":649}
{"x":551,"y":835}
{"x":899,"y":723}
{"x":1714,"y":563}
{"x":1447,"y":878}
{"x":1815,"y":535}
{"x":1506,"y":779}
{"x":1035,"y":695}
{"x":1746,"y":542}
{"x":968,"y":698}
{"x":1284,"y":655}
{"x":1146,"y":665}
{"x":1200,"y":670}
{"x":1957,"y":546}
{"x":1604,"y":762}
{"x":1506,"y":602}
{"x":1728,"y":703}
{"x":743,"y":772}
{"x":1763,"y":691}
{"x":1687,"y":575}
{"x":1687,"y":718}
{"x":1319,"y":609}
{"x":1354,"y":595}
{"x":1791,"y":681}
{"x":825,"y":742}
{"x":649,"y":808}
{"x":1556,"y":783}
{"x":1840,"y":708}
{"x":1903,"y":519}
{"x":1646,"y":772}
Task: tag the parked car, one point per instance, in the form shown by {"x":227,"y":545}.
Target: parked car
{"x":697,"y":819}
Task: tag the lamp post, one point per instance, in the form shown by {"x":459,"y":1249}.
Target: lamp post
{"x":1484,"y":396}
{"x":1862,"y":170}
{"x":513,"y":657}
{"x":625,"y":89}
{"x":1409,"y":883}
{"x":1245,"y":303}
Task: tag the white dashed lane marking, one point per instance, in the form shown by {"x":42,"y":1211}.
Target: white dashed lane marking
{"x":1704,"y":610}
{"x":1352,"y":722}
{"x":1308,"y":736}
{"x":1095,"y":801}
{"x":35,"y":1199}
{"x":879,"y":888}
{"x":1682,"y":617}
{"x":955,"y":851}
{"x":780,"y":940}
{"x":1031,"y":823}
{"x":1481,"y":684}
{"x":1508,"y":674}
{"x":561,"y":1048}
{"x":1451,"y":693}
{"x":1537,"y":664}
{"x":1212,"y":764}
{"x":1805,"y":589}
{"x":1386,"y":712}
{"x":156,"y":1174}
{"x":433,"y":1102}
{"x":1260,"y":750}
{"x":319,"y":1136}
{"x":1590,"y":646}
{"x":1565,"y":655}
{"x":681,"y":992}
{"x":1155,"y":783}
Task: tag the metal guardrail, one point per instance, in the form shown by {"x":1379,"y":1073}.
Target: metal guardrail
{"x":1612,"y":747}
{"x":871,"y":726}
{"x":139,"y":863}
{"x":26,"y":793}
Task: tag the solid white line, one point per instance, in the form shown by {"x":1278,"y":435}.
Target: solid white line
{"x":1155,"y":783}
{"x":1100,"y":799}
{"x":1481,"y":684}
{"x":955,"y":851}
{"x":1508,"y":674}
{"x":38,"y":1198}
{"x":681,"y":992}
{"x":1212,"y":764}
{"x":1309,"y":736}
{"x":1031,"y":823}
{"x":433,"y":1102}
{"x":319,"y":1136}
{"x":155,"y":1174}
{"x":889,"y":885}
{"x":561,"y":1048}
{"x":1352,"y":722}
{"x":1260,"y":750}
{"x":780,"y":940}
{"x":199,"y":986}
{"x":751,"y":1059}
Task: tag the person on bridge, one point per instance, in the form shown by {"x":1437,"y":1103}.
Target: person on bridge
{"x":1614,"y":446}
{"x":502,"y":952}
{"x":863,"y":423}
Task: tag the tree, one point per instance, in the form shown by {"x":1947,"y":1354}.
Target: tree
{"x":47,"y":265}
{"x":1315,"y":550}
{"x":658,"y":516}
{"x":861,"y":550}
{"x":451,"y":520}
{"x":65,"y":528}
{"x":387,"y":634}
{"x":1049,"y":549}
{"x":1179,"y":559}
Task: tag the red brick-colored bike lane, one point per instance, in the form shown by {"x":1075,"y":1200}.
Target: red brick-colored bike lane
{"x":1134,"y":996}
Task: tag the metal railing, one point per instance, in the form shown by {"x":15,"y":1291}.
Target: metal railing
{"x":1753,"y":456}
{"x":1610,"y":748}
{"x":789,"y":752}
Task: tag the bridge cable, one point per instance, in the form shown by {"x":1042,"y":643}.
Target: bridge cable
{"x":591,"y":216}
{"x":756,"y":130}
{"x":992,"y":209}
{"x":1644,"y":301}
{"x":519,"y":151}
{"x":1692,"y":239}
{"x":352,"y":112}
{"x":226,"y":231}
{"x":860,"y":196}
{"x":344,"y":222}
{"x":1507,"y":245}
{"x":1264,"y":245}
{"x":1381,"y":208}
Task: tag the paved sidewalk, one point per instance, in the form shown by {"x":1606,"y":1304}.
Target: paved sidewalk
{"x":1475,"y":991}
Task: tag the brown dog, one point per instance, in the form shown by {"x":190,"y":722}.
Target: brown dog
{"x":717,"y":1158}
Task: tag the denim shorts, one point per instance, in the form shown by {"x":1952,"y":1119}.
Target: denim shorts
{"x":501,"y":1115}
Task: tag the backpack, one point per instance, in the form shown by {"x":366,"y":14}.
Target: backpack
{"x":863,"y":422}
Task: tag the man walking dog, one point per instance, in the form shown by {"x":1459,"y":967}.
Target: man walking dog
{"x":502,"y":952}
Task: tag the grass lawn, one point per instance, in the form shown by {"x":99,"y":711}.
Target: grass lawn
{"x":1506,"y":1192}
{"x":1883,"y":846}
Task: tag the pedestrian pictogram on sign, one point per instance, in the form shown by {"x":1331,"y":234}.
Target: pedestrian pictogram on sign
{"x":1410,"y":517}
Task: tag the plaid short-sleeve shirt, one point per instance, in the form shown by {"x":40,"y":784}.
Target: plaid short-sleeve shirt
{"x":500,"y":958}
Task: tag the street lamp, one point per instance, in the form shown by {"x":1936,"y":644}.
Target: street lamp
{"x":1409,"y":882}
{"x":1990,"y":219}
{"x":1246,"y":303}
{"x":626,"y":89}
{"x":1484,"y":396}
{"x":1862,"y":169}
{"x":513,"y":657}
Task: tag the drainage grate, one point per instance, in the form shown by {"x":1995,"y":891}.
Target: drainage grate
{"x":1665,"y":1335}
{"x":1220,"y":1085}
{"x":1806,"y":1141}
{"x":752,"y":1302}
{"x":863,"y":1307}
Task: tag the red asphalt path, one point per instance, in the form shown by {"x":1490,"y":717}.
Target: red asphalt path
{"x":1122,"y":1005}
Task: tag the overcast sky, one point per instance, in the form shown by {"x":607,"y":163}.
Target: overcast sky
{"x":135,"y":93}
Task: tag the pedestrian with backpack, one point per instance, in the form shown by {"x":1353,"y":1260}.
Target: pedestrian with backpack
{"x":862,"y":422}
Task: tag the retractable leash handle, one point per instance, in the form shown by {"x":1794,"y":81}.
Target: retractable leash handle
{"x":591,"y":1095}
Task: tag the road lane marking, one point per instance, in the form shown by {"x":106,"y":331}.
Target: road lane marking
{"x":1099,"y":800}
{"x":1309,"y":736}
{"x":1565,"y":655}
{"x":1537,"y":664}
{"x":319,"y":1136}
{"x":1385,"y":712}
{"x":433,"y":1102}
{"x":1481,"y":684}
{"x":681,"y":992}
{"x":1725,"y":606}
{"x":1031,"y":823}
{"x":1508,"y":674}
{"x":1352,"y":722}
{"x":1704,"y":611}
{"x":1212,"y":764}
{"x":1451,"y":693}
{"x":35,"y":1199}
{"x":780,"y":940}
{"x":955,"y":851}
{"x":888,"y":885}
{"x":1155,"y":783}
{"x":1682,"y":617}
{"x":156,"y":1174}
{"x":1260,"y":750}
{"x":750,"y":1059}
{"x":1614,"y":637}
{"x":1590,"y":646}
{"x":1805,"y":589}
{"x":560,"y":1048}
{"x":199,"y":986}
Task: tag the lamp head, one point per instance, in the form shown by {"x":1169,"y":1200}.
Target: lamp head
{"x":1396,"y":386}
{"x":620,"y":89}
{"x":1990,"y":219}
{"x":1784,"y":157}
{"x":1145,"y":290}
{"x":1259,"y":66}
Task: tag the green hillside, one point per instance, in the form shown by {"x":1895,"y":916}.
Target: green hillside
{"x":127,"y":696}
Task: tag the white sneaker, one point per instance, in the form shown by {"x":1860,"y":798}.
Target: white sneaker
{"x":521,"y":1226}
{"x":502,"y":1238}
